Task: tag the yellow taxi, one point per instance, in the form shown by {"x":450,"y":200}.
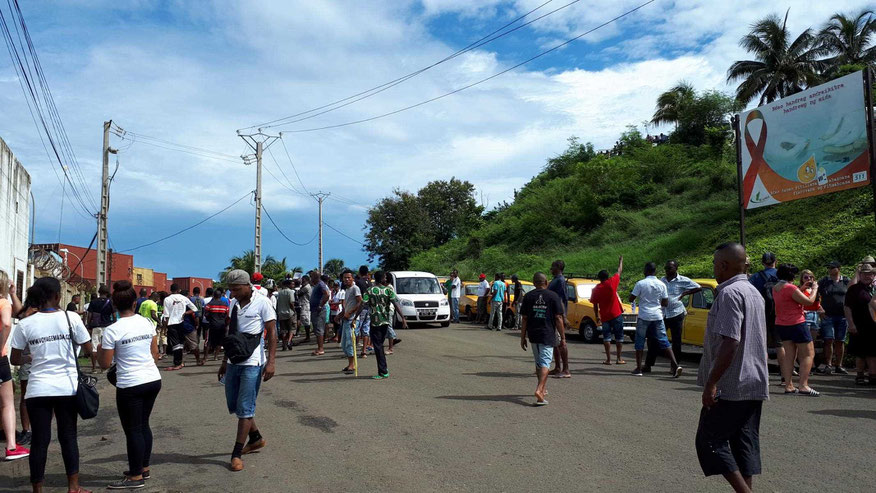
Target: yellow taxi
{"x":509,"y":317}
{"x":468,"y":300}
{"x":582,"y":317}
{"x":697,"y":306}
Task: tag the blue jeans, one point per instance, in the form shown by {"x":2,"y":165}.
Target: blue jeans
{"x":454,"y":309}
{"x":496,"y":312}
{"x":834,"y":328}
{"x":363,"y":324}
{"x":347,"y":338}
{"x":651,"y":329}
{"x":543,"y":354}
{"x":613,"y":329}
{"x":242,"y":388}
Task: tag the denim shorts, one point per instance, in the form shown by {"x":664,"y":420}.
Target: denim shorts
{"x":543,"y":353}
{"x":347,"y":338}
{"x":811,"y":320}
{"x":242,"y":385}
{"x":651,"y":329}
{"x":363,"y":323}
{"x":613,"y":329}
{"x":798,"y":333}
{"x":834,"y":328}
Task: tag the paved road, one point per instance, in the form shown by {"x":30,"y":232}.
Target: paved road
{"x":457,"y":416}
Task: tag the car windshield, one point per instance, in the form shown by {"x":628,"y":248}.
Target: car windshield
{"x":527,"y":288}
{"x":585,"y":290}
{"x":417,"y":285}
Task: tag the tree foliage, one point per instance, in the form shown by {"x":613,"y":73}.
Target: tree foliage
{"x":670,"y":103}
{"x":271,"y":267}
{"x":334,"y":267}
{"x":404,"y":224}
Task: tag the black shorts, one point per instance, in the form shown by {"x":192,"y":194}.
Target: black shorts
{"x":5,"y":370}
{"x":728,"y":438}
{"x":214,"y":338}
{"x":799,"y":333}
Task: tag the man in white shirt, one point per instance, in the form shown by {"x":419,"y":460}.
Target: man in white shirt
{"x":253,"y":322}
{"x":652,"y":296}
{"x":483,"y":292}
{"x":678,"y":287}
{"x":177,"y":306}
{"x":455,"y":291}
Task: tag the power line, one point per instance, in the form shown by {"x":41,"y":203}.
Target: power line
{"x":345,"y":235}
{"x":387,"y":85}
{"x":291,"y":186}
{"x":290,"y":240}
{"x":199,"y":152}
{"x":463,"y":88}
{"x":202,"y":221}
{"x":141,"y":137}
{"x":293,"y":165}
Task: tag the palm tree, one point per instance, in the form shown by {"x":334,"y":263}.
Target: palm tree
{"x":333,"y":267}
{"x":848,"y":40}
{"x":671,"y":102}
{"x":781,"y":67}
{"x":274,"y":269}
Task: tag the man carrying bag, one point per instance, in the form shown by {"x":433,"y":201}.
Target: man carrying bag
{"x":248,"y":362}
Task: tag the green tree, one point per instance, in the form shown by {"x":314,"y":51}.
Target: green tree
{"x":333,"y":267}
{"x":564,"y":164}
{"x":848,"y":39}
{"x":671,"y":102}
{"x":781,"y":67}
{"x":271,"y":267}
{"x":705,"y":120}
{"x":450,"y":207}
{"x":274,"y":269}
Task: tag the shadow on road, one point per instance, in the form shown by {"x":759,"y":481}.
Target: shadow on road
{"x":500,"y":374}
{"x":847,"y":413}
{"x":207,"y":459}
{"x":512,"y":399}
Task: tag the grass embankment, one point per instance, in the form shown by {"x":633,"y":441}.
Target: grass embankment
{"x":682,"y":205}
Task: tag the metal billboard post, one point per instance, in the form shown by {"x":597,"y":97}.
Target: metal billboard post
{"x":868,"y":101}
{"x":735,"y":122}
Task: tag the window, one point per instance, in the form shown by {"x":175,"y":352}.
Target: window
{"x":570,"y":292}
{"x":527,"y":288}
{"x":585,"y":290}
{"x":417,"y":285}
{"x":703,"y":299}
{"x":139,"y":279}
{"x":471,"y":290}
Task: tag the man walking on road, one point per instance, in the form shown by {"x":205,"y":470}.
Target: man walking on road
{"x":517,"y":292}
{"x":498,"y":295}
{"x":652,"y":296}
{"x":176,"y":307}
{"x":363,"y":320}
{"x":379,"y":299}
{"x":834,"y":326}
{"x":253,"y":323}
{"x":558,"y":286}
{"x":455,"y":292}
{"x":319,"y":296}
{"x":351,"y":306}
{"x":483,"y":293}
{"x":608,"y":310}
{"x":303,"y":297}
{"x":733,"y":374}
{"x":286,"y":313}
{"x":677,"y":286}
{"x":100,"y":315}
{"x":543,"y":315}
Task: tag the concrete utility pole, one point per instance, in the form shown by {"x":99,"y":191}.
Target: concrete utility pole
{"x":320,"y":197}
{"x":101,"y":275}
{"x":258,"y":142}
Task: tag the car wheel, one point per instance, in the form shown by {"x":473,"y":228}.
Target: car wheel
{"x":468,"y":315}
{"x":588,"y":332}
{"x":509,"y":320}
{"x":445,"y":324}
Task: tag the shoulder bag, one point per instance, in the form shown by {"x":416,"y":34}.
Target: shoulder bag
{"x":239,"y":346}
{"x":87,"y":398}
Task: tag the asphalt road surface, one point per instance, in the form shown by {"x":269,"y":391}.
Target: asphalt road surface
{"x":457,"y":415}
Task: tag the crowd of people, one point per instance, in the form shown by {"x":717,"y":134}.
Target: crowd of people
{"x":127,"y":335}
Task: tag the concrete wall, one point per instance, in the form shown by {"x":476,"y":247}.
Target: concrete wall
{"x":14,"y":217}
{"x":143,"y":277}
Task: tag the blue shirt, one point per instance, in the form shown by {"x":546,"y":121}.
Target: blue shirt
{"x":675,"y":287}
{"x":499,"y":286}
{"x":558,"y":285}
{"x":758,"y":280}
{"x":316,"y":296}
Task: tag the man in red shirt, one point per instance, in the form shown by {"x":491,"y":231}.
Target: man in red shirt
{"x":608,"y":308}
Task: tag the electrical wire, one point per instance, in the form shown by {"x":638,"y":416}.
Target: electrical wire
{"x":291,"y":186}
{"x":141,"y":137}
{"x":473,"y":84}
{"x":202,"y":221}
{"x":290,"y":240}
{"x":293,"y":166}
{"x":345,"y":235}
{"x":382,"y":87}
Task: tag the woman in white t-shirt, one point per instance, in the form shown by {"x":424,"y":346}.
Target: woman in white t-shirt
{"x":133,"y":343}
{"x":51,"y":388}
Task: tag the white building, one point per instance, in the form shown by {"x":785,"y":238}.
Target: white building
{"x":14,"y":217}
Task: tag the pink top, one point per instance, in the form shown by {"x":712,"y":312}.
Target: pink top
{"x":788,"y":311}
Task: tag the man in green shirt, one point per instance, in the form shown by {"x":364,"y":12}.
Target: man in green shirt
{"x":379,"y":299}
{"x":149,"y":309}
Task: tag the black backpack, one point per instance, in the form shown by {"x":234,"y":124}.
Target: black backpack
{"x":769,"y":304}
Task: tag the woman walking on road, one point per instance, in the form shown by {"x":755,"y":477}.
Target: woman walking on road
{"x":793,"y":328}
{"x":133,"y":343}
{"x":51,"y":389}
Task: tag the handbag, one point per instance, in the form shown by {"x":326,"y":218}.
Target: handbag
{"x":239,"y":346}
{"x":112,"y":375}
{"x":87,"y":397}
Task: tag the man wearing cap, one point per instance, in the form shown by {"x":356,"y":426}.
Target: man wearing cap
{"x":483,"y":291}
{"x":763,"y":281}
{"x":862,"y":341}
{"x":832,"y":290}
{"x":252,"y":316}
{"x":257,"y":283}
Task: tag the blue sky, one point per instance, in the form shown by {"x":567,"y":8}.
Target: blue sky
{"x":194,"y":72}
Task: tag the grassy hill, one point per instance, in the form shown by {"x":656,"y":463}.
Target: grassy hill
{"x":652,"y":204}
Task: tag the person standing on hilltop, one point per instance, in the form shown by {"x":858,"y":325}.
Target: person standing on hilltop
{"x":561,"y":352}
{"x":608,"y":309}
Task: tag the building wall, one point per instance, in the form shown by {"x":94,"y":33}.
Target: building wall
{"x":15,"y":207}
{"x":121,"y":266}
{"x":143,"y":277}
{"x":159,"y":280}
{"x":190,"y":283}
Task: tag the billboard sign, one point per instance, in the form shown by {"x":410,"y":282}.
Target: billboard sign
{"x":811,"y":143}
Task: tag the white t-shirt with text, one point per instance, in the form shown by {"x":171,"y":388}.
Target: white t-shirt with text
{"x":251,"y":319}
{"x":47,"y":335}
{"x":131,"y":339}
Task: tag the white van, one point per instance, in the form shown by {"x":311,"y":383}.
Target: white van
{"x":421,"y":297}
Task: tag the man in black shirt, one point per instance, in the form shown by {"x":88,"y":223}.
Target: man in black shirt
{"x":862,"y":343}
{"x":517,"y":296}
{"x":543,"y":315}
{"x":73,"y":306}
{"x":832,"y":290}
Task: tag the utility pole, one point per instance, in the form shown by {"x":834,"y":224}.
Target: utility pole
{"x":320,"y":197}
{"x":258,"y":142}
{"x":101,"y":275}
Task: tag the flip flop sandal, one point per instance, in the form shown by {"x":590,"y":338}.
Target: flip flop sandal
{"x":809,"y":393}
{"x":621,"y":362}
{"x":795,"y":391}
{"x":317,"y":353}
{"x":541,"y":403}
